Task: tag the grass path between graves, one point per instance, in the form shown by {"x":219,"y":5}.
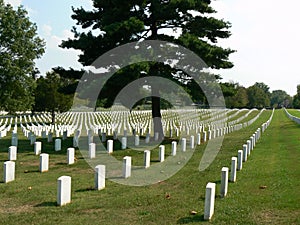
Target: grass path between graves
{"x":273,"y":163}
{"x":294,"y":112}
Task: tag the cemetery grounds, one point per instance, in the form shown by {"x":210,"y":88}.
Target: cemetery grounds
{"x":266,"y":190}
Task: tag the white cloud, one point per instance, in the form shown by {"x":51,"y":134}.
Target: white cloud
{"x":14,"y":3}
{"x":54,"y":55}
{"x":47,"y":29}
{"x":67,"y":34}
{"x":266,"y":38}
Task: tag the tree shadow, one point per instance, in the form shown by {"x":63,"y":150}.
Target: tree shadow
{"x":32,"y":171}
{"x":217,"y":182}
{"x":86,"y":189}
{"x":46,"y":204}
{"x":191,"y":219}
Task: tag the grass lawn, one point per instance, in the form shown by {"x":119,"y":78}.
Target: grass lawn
{"x":273,"y":163}
{"x":294,"y":112}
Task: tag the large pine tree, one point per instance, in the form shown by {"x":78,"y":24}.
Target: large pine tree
{"x":122,"y":21}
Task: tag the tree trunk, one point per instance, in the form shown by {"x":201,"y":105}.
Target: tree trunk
{"x":156,"y":115}
{"x":154,"y":69}
{"x":53,"y":117}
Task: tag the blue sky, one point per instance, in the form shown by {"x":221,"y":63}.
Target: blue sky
{"x":265,"y":34}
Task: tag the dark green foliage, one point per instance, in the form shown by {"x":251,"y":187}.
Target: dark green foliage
{"x":237,"y":96}
{"x":258,"y":96}
{"x":280,"y":98}
{"x":120,"y":22}
{"x":48,"y":96}
{"x":19,"y":47}
{"x":296,"y":99}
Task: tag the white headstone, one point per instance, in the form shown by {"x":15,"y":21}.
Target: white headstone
{"x":100,"y":177}
{"x":126,"y":166}
{"x":44,"y":135}
{"x":65,"y":135}
{"x":240,"y":160}
{"x":183,"y":144}
{"x":224,"y":181}
{"x":252,"y":143}
{"x":245,"y":152}
{"x":204,"y":136}
{"x":110,"y":146}
{"x":147,"y":139}
{"x":115,"y":135}
{"x":209,"y":206}
{"x":124,"y":142}
{"x":57,"y":144}
{"x":90,"y":139}
{"x":254,"y":140}
{"x":44,"y":162}
{"x":12,"y":153}
{"x":209,"y":135}
{"x":9,"y":171}
{"x":198,"y":139}
{"x":103,"y":137}
{"x":161,"y":153}
{"x":70,"y":156}
{"x":170,"y":133}
{"x":92,"y":150}
{"x":233,"y":169}
{"x":75,"y":142}
{"x":32,"y":139}
{"x":249,"y":147}
{"x":14,"y":141}
{"x":37,"y":148}
{"x":57,"y":133}
{"x":136,"y":140}
{"x":63,"y":190}
{"x":50,"y":137}
{"x":147,"y":158}
{"x":174,"y":148}
{"x":192,"y":142}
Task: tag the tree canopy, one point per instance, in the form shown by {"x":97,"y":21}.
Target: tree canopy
{"x":113,"y":23}
{"x":296,"y":100}
{"x":49,"y":96}
{"x":19,"y":47}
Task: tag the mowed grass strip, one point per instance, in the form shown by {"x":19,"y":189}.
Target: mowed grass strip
{"x":168,"y":202}
{"x":294,"y":112}
{"x":267,"y":189}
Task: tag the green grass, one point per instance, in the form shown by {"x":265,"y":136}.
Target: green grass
{"x":294,"y":112}
{"x":274,"y":163}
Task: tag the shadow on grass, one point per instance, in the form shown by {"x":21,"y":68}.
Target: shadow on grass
{"x":86,"y":189}
{"x":46,"y":204}
{"x":191,"y":219}
{"x":32,"y":171}
{"x":217,"y":182}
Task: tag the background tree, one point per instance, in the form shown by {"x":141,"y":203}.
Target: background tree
{"x":49,"y":96}
{"x":239,"y":99}
{"x":280,"y":98}
{"x":258,"y":96}
{"x":296,"y":99}
{"x":120,"y":22}
{"x":19,"y":47}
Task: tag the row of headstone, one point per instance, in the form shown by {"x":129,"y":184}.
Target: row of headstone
{"x":294,"y":118}
{"x":94,"y":125}
{"x":64,"y":185}
{"x":236,"y":165}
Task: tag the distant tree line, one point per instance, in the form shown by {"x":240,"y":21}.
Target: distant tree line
{"x":258,"y":96}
